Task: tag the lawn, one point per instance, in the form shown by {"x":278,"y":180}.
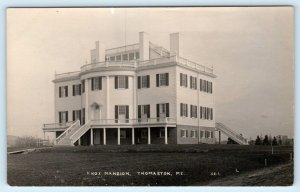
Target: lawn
{"x":163,"y":165}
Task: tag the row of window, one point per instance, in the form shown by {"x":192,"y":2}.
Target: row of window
{"x":205,"y":86}
{"x":124,"y":57}
{"x":194,"y":134}
{"x":205,"y":112}
{"x":144,"y":133}
{"x":77,"y":115}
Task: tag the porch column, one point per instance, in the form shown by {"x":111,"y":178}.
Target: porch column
{"x":132,"y":135}
{"x":92,"y":138}
{"x":119,"y":139}
{"x":149,"y":136}
{"x":219,"y":137}
{"x":104,"y":136}
{"x":79,"y":141}
{"x":166,"y":135}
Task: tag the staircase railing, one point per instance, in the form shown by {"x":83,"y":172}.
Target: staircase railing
{"x":230,"y":133}
{"x":83,"y":129}
{"x":67,"y":131}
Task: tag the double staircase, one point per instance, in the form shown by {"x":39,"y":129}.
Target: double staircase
{"x":231,"y":134}
{"x":72,"y":134}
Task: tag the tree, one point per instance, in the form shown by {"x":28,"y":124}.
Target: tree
{"x":266,"y":140}
{"x":274,"y":142}
{"x":258,"y":140}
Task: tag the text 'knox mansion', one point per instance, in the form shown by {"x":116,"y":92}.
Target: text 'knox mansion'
{"x":137,"y":94}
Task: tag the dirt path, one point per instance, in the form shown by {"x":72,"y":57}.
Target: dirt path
{"x":280,"y":175}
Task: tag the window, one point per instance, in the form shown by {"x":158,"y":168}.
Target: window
{"x":207,"y":134}
{"x":63,"y":116}
{"x":121,"y":113}
{"x":193,"y":111}
{"x":63,"y":91}
{"x":144,"y":81}
{"x":96,"y":83}
{"x":162,"y":110}
{"x":123,"y":134}
{"x":183,"y":110}
{"x":206,"y":86}
{"x":183,"y":133}
{"x":193,"y":82}
{"x":193,"y":133}
{"x":118,"y":58}
{"x":211,"y":134}
{"x":125,"y":57}
{"x":144,"y":133}
{"x":143,"y":112}
{"x":201,"y":134}
{"x":162,"y":79}
{"x":131,"y":56}
{"x":83,"y":86}
{"x":121,"y":82}
{"x":162,"y":133}
{"x":183,"y":80}
{"x":112,"y":58}
{"x":76,"y":115}
{"x":206,"y":113}
{"x":137,"y":55}
{"x":76,"y":89}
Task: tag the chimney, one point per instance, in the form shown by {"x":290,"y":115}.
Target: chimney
{"x":144,"y":46}
{"x":98,"y":54}
{"x":175,"y":44}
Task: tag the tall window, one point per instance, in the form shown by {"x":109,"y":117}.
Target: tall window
{"x":63,"y":116}
{"x":183,"y":133}
{"x":131,"y":56}
{"x":193,"y":111}
{"x":83,"y":86}
{"x":118,"y":58}
{"x":137,"y":55}
{"x":193,"y":82}
{"x":125,"y":57}
{"x":206,"y":86}
{"x":162,"y":110}
{"x":193,"y":133}
{"x":162,"y":79}
{"x":143,"y":112}
{"x":63,"y":91}
{"x":76,"y":89}
{"x":76,"y":115}
{"x":121,"y":82}
{"x":183,"y":80}
{"x":112,"y":58}
{"x":183,"y":110}
{"x":121,"y":113}
{"x":144,"y":81}
{"x":206,"y":113}
{"x":96,"y":83}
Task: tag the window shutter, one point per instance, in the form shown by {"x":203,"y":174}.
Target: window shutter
{"x":83,"y":116}
{"x":196,"y":113}
{"x":181,"y":109}
{"x":191,"y":79}
{"x":211,"y":115}
{"x":79,"y":89}
{"x":116,"y":82}
{"x":59,"y":117}
{"x":127,"y":112}
{"x":59,"y":90}
{"x":157,"y":80}
{"x":148,"y":81}
{"x":139,"y":82}
{"x":157,"y":110}
{"x":167,"y":79}
{"x":200,"y":112}
{"x":167,"y":110}
{"x":139,"y":112}
{"x":79,"y":116}
{"x":92,"y":84}
{"x":116,"y":112}
{"x":100,"y":83}
{"x":73,"y":90}
{"x":126,"y":82}
{"x":67,"y":116}
{"x":148,"y":111}
{"x":180,"y":79}
{"x":73,"y":115}
{"x":195,"y":83}
{"x":66,"y":87}
{"x":191,"y":112}
{"x":211,"y":87}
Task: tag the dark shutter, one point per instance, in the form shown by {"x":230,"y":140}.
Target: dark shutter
{"x":66,"y":87}
{"x":157,"y":110}
{"x":59,"y":117}
{"x":73,"y":90}
{"x":126,"y":82}
{"x":59,"y":91}
{"x":196,"y":83}
{"x":191,"y":111}
{"x":200,"y":84}
{"x":139,"y":82}
{"x":157,"y":80}
{"x":92,"y":84}
{"x":83,"y":116}
{"x":196,"y":111}
{"x":211,"y":115}
{"x":200,"y":112}
{"x":79,"y":115}
{"x":167,"y":79}
{"x":67,"y":116}
{"x":148,"y":81}
{"x":181,"y":109}
{"x":73,"y":115}
{"x":211,"y":87}
{"x":100,"y":83}
{"x":127,"y":112}
{"x":139,"y":112}
{"x":116,"y":113}
{"x":79,"y":89}
{"x":116,"y":82}
{"x":148,"y":111}
{"x":191,"y":78}
{"x":167,"y":110}
{"x":180,"y":79}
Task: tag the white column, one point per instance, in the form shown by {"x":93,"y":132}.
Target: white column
{"x":134,"y":87}
{"x":79,"y":141}
{"x":149,"y":136}
{"x":119,"y":139}
{"x":166,"y":135}
{"x":104,"y":136}
{"x":92,"y":138}
{"x":132,"y":135}
{"x":86,"y":100}
{"x":107,"y":97}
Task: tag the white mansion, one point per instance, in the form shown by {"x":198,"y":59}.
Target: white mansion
{"x":136,"y":94}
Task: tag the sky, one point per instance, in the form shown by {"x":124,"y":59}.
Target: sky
{"x":251,"y":50}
